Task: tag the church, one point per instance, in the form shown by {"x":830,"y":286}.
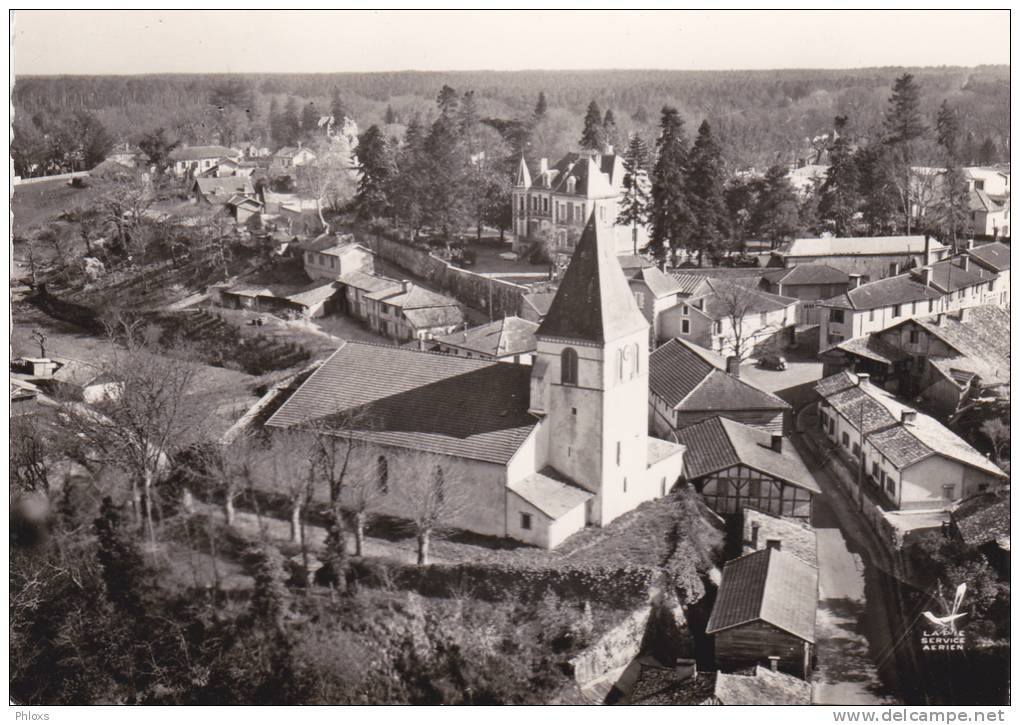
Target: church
{"x":540,"y":451}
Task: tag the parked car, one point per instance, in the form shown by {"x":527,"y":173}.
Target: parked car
{"x":772,"y":362}
{"x":509,"y":256}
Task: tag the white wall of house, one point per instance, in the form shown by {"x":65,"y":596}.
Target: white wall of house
{"x":325,"y":265}
{"x":542,"y":530}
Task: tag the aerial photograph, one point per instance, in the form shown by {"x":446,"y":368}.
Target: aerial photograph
{"x":519,"y":357}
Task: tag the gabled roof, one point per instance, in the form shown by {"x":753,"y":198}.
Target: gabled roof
{"x":500,"y":338}
{"x":549,"y":492}
{"x":807,"y":274}
{"x":882,"y":417}
{"x":540,"y":302}
{"x":289,"y":152}
{"x":369,"y":282}
{"x":994,"y":256}
{"x":416,"y":297}
{"x":594,"y":302}
{"x":796,"y":537}
{"x":983,"y":518}
{"x":764,"y":688}
{"x":658,"y":283}
{"x":771,"y":586}
{"x":436,"y":403}
{"x":982,"y":342}
{"x":837,"y":246}
{"x":872,"y":347}
{"x":244,"y":201}
{"x":523,"y":175}
{"x":591,"y":178}
{"x":226,"y":186}
{"x":718,"y":303}
{"x":689,"y":378}
{"x":886,"y":292}
{"x":196,"y":153}
{"x":718,"y":443}
{"x":949,"y":276}
{"x":980,"y":201}
{"x":691,"y":285}
{"x":423,"y":318}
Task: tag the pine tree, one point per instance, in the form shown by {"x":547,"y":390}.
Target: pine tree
{"x":469,"y":123}
{"x":447,"y":154}
{"x":448,"y":102}
{"x":904,"y":126}
{"x":594,"y":136}
{"x":124,"y":571}
{"x":609,"y":130}
{"x":947,"y":130}
{"x":337,"y":109}
{"x":540,"y":107}
{"x":952,"y":205}
{"x":290,"y":123}
{"x":268,"y":599}
{"x":640,"y":115}
{"x":376,"y":169}
{"x":275,"y":123}
{"x":840,"y":192}
{"x":390,"y":117}
{"x":636,"y":200}
{"x":878,"y":189}
{"x":410,"y":185}
{"x":776,"y":216}
{"x":671,"y":218}
{"x":309,"y":120}
{"x":705,"y":188}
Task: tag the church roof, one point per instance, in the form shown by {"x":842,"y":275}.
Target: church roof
{"x":594,"y":302}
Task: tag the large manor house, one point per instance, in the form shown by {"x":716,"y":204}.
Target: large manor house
{"x":541,"y":451}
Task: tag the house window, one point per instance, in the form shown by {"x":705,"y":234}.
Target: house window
{"x":639,"y":297}
{"x":545,"y":205}
{"x":663,"y":486}
{"x":718,"y":327}
{"x":571,"y":185}
{"x":625,"y":484}
{"x":685,"y":326}
{"x":526,"y":521}
{"x":763,"y":319}
{"x":931,"y":305}
{"x":836,"y":316}
{"x":856,"y":450}
{"x":914,"y":337}
{"x":568,"y":366}
{"x":874,"y":470}
{"x":684,"y":310}
{"x":618,"y":451}
{"x":846,"y":440}
{"x":896,"y":310}
{"x":949,"y":491}
{"x":893,"y":269}
{"x":991,"y":286}
{"x":382,"y":468}
{"x":890,"y":484}
{"x":871,"y":315}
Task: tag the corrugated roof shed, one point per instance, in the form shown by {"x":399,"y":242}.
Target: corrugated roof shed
{"x":771,"y":586}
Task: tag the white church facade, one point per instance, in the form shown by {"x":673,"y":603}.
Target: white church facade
{"x":536,"y":452}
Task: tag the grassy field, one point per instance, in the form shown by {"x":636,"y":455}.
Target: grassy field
{"x":36,"y":204}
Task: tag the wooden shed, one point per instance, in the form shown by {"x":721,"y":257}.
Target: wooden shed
{"x":764,"y":613}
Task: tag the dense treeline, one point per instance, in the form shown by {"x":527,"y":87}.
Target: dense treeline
{"x":760,"y":116}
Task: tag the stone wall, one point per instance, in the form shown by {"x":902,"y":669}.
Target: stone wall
{"x":494,"y":296}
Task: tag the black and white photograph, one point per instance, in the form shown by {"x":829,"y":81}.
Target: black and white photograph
{"x":510,"y":357}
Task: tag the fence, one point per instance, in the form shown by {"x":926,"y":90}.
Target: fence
{"x":494,"y":296}
{"x":19,"y":181}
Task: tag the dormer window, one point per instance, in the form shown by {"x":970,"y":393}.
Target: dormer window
{"x":571,"y":185}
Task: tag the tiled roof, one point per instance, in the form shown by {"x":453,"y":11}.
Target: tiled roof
{"x":500,"y":338}
{"x":980,"y":201}
{"x":195,"y":153}
{"x":550,"y":493}
{"x":590,"y":178}
{"x":994,"y":256}
{"x":982,"y":341}
{"x":369,"y":282}
{"x":764,"y":688}
{"x":660,"y":284}
{"x":594,"y":302}
{"x":539,"y":301}
{"x":881,"y":414}
{"x":871,"y":347}
{"x":719,"y":303}
{"x":226,"y":186}
{"x":771,"y":586}
{"x":633,"y":261}
{"x":983,"y":518}
{"x":832,"y":246}
{"x":807,"y":274}
{"x":416,"y":297}
{"x":423,"y":318}
{"x":949,"y":276}
{"x":795,"y":537}
{"x":424,"y":401}
{"x":691,"y":284}
{"x":718,"y":443}
{"x":691,"y":379}
{"x":886,"y":292}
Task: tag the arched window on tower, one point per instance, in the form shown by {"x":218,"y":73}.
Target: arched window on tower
{"x":568,"y":366}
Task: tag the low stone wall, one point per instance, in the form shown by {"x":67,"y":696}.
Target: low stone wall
{"x":23,"y":181}
{"x":494,"y":296}
{"x":615,"y":649}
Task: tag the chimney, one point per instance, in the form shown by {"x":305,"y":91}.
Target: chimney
{"x":970,"y":244}
{"x":543,"y":165}
{"x":609,"y":149}
{"x":733,"y":366}
{"x":855,"y":281}
{"x":926,"y":276}
{"x":940,"y":319}
{"x":863,"y":378}
{"x":777,"y":442}
{"x":964,"y":262}
{"x":927,"y":249}
{"x":776,"y":544}
{"x":907,"y":417}
{"x":774,"y":663}
{"x":755,"y":528}
{"x":405,"y":285}
{"x":965,"y":314}
{"x":895,"y":269}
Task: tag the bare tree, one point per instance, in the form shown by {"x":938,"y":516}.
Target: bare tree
{"x":746,"y":317}
{"x":329,"y":181}
{"x":40,"y":338}
{"x":286,"y":467}
{"x":368,"y":483}
{"x":138,"y":430}
{"x":31,"y":454}
{"x":122,"y":200}
{"x":229,"y":468}
{"x":434,"y":490}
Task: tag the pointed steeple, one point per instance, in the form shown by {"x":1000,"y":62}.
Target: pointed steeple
{"x":594,"y":302}
{"x":523,"y":180}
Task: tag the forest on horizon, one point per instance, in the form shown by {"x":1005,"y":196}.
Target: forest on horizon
{"x":759,"y":117}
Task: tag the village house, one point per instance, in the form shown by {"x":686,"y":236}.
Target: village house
{"x":908,"y":459}
{"x":989,"y":192}
{"x":547,"y":448}
{"x":732,"y":319}
{"x":993,"y":257}
{"x":654,"y":291}
{"x":411,"y":312}
{"x":944,"y":286}
{"x":734,"y":466}
{"x":289,"y":158}
{"x":243,"y":208}
{"x":764,"y":613}
{"x":688,"y":384}
{"x":357,"y":285}
{"x":872,"y":258}
{"x":218,"y":191}
{"x":511,"y":339}
{"x":554,"y":203}
{"x":945,"y":359}
{"x":807,"y":283}
{"x":535,"y":305}
{"x":194,"y":160}
{"x":308,"y":301}
{"x":330,"y":257}
{"x":694,"y":281}
{"x":983,"y":523}
{"x":126,"y":155}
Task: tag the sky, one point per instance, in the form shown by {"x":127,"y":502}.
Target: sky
{"x":252,"y":41}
